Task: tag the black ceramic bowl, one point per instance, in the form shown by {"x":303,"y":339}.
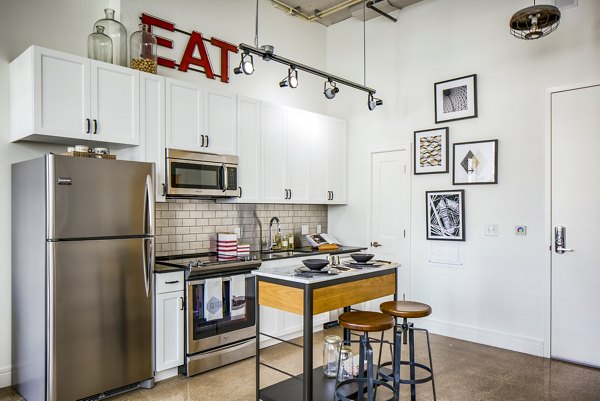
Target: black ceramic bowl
{"x":315,"y":264}
{"x":362,"y":257}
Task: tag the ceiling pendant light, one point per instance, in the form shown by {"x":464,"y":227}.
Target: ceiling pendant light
{"x":534,"y":22}
{"x":331,"y":91}
{"x":246,"y":65}
{"x":373,"y":102}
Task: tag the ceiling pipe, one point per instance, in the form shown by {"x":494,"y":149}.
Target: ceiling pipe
{"x":319,"y":14}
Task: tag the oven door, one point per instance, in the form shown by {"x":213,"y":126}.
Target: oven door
{"x":204,"y":335}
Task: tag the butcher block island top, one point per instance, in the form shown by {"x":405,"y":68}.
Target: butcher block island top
{"x":281,"y":288}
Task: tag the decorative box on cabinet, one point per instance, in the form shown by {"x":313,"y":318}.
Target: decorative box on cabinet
{"x":60,"y":98}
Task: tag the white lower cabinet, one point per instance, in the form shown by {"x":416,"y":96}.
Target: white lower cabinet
{"x":283,"y":324}
{"x":169,"y":329}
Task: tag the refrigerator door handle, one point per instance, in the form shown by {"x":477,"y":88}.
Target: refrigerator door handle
{"x":148,"y":256}
{"x":149,"y":206}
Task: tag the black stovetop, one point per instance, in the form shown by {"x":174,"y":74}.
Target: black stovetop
{"x":209,"y":263}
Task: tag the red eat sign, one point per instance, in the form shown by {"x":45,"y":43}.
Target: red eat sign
{"x":195,"y":42}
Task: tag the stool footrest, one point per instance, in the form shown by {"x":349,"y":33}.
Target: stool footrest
{"x":341,"y":397}
{"x":390,"y":376}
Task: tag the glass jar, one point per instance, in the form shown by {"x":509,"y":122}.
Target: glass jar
{"x":291,"y":241}
{"x":117,"y":33}
{"x":346,"y":368}
{"x":100,"y":46}
{"x":142,"y":49}
{"x":331,"y":351}
{"x":284,"y":242}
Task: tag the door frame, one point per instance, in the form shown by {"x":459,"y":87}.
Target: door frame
{"x":384,"y":149}
{"x":548,"y":234}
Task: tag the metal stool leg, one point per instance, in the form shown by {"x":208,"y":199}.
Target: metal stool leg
{"x":361,"y":366}
{"x":431,"y":365}
{"x":370,"y":383}
{"x":411,"y":347}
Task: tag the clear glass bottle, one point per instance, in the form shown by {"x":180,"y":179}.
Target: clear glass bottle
{"x":142,"y":50}
{"x":284,"y":242}
{"x":117,"y":33}
{"x":291,"y":241}
{"x":331,"y":352}
{"x":100,"y":46}
{"x":346,"y":368}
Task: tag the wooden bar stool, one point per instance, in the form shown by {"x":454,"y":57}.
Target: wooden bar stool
{"x":365,"y":322}
{"x":407,"y":310}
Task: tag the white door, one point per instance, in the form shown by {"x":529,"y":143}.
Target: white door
{"x":220,"y":122}
{"x":273,"y":154}
{"x":115,"y":107}
{"x":62,"y":95}
{"x":575,"y":190}
{"x":169,"y":330}
{"x":298,"y":155}
{"x":248,"y":149}
{"x":185,"y":116}
{"x":337,"y":171}
{"x":390,"y":212}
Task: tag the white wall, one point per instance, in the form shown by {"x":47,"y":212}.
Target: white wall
{"x":65,"y":24}
{"x":497,"y":297}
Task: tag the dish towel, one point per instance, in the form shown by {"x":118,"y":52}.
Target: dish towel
{"x":213,"y":299}
{"x":237,"y":296}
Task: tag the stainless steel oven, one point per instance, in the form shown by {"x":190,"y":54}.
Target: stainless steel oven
{"x":195,"y":174}
{"x":214,"y":343}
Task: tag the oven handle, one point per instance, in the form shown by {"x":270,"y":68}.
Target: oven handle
{"x":231,"y":347}
{"x":226,"y":278}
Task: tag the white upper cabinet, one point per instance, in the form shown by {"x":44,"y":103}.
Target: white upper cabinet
{"x":200,"y":120}
{"x":58,"y":97}
{"x":274,"y":153}
{"x":248,"y":149}
{"x":152,"y":127}
{"x":185,"y":116}
{"x":328,"y":160}
{"x":298,"y":156}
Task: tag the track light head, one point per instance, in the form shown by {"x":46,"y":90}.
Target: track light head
{"x":291,"y":80}
{"x":331,"y":91}
{"x":373,"y":102}
{"x":246,"y":65}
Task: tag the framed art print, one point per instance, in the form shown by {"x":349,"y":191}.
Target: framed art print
{"x":431,"y":151}
{"x":445,"y":215}
{"x":456,"y":99}
{"x":475,"y":163}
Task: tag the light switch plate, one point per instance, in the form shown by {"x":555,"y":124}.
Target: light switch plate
{"x":237,"y":231}
{"x":520,"y":230}
{"x":491,"y":230}
{"x":318,"y":229}
{"x":304,"y":229}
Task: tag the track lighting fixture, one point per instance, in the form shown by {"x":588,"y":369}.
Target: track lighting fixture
{"x":373,"y":102}
{"x":291,"y":80}
{"x":331,"y":91}
{"x":246,"y":65}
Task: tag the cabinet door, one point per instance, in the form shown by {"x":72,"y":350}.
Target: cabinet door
{"x":319,"y":158}
{"x":152,"y":127}
{"x":184,"y":115}
{"x":61,"y":94}
{"x":169,"y":330}
{"x":274,"y":153}
{"x":248,"y":148}
{"x":115,"y":106}
{"x":298,"y":155}
{"x":220,"y":122}
{"x":337,"y":171}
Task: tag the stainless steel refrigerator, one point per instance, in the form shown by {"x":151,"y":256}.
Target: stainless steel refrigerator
{"x":82,"y":257}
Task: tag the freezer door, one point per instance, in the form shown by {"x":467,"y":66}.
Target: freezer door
{"x":100,"y":316}
{"x":94,"y":198}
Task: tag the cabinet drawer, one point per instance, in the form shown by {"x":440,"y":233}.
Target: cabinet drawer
{"x":168,"y":282}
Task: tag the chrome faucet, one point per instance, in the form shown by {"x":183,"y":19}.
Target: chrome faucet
{"x":276,"y":220}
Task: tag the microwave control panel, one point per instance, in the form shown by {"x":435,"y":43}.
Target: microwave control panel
{"x":232,"y":179}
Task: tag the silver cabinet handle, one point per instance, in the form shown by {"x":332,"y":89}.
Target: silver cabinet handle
{"x":88,"y":125}
{"x":95,"y":126}
{"x":180,"y":303}
{"x":375,"y":244}
{"x":207,"y":141}
{"x":201,"y":141}
{"x":172,"y":282}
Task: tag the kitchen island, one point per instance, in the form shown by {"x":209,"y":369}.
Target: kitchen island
{"x":282,"y":289}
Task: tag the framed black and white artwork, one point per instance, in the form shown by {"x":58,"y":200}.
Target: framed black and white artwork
{"x":456,"y":99}
{"x":445,"y":215}
{"x":475,"y":163}
{"x":431,"y":151}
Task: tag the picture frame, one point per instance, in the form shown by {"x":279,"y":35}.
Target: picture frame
{"x":431,"y":151}
{"x":475,"y":162}
{"x":445,"y":215}
{"x":455,"y":99}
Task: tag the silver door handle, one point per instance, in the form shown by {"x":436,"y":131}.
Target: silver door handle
{"x":560,"y":240}
{"x":375,"y":244}
{"x":560,"y":249}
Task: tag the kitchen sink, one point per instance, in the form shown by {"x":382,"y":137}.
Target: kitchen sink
{"x":270,"y":255}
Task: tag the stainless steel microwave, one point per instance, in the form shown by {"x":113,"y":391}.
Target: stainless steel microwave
{"x":203,"y":175}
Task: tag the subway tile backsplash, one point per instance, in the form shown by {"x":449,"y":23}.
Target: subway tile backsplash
{"x":189,"y":225}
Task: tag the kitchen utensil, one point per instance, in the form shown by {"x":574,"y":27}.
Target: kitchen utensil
{"x":362,"y":257}
{"x":334,"y":260}
{"x":315,"y":264}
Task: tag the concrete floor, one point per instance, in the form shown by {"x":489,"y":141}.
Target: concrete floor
{"x":464,"y":371}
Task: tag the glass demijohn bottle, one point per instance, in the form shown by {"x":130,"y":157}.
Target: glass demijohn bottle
{"x":142,"y":48}
{"x":117,"y":33}
{"x":100,"y":46}
{"x":331,"y":351}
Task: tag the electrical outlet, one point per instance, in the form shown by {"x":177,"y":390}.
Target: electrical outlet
{"x":237,"y":231}
{"x":520,"y":230}
{"x":491,"y":230}
{"x":318,"y":229}
{"x":304,"y":229}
